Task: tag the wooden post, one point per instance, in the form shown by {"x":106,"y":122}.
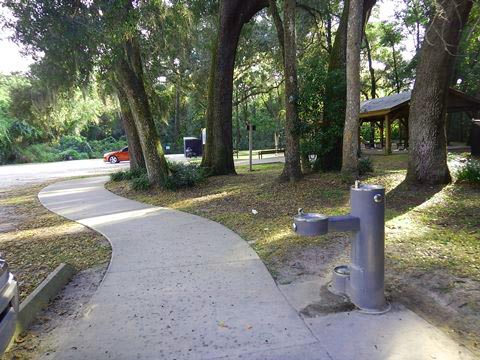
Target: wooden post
{"x":372,"y":134}
{"x":382,"y":133}
{"x":407,"y":134}
{"x":359,"y":150}
{"x":388,"y":136}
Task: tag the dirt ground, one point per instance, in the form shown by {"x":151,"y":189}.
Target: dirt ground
{"x":70,"y":304}
{"x":432,"y":234}
{"x":452,"y":303}
{"x":34,"y":242}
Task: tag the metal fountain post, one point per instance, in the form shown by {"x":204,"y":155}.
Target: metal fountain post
{"x":363,"y":279}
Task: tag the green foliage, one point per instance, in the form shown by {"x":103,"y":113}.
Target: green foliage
{"x":392,"y":72}
{"x":467,"y":70}
{"x":470,"y":172}
{"x":184,"y":175}
{"x":72,"y":154}
{"x":29,"y":115}
{"x":365,"y":165}
{"x":100,"y":147}
{"x":68,"y":148}
{"x":77,"y":143}
{"x":38,"y":153}
{"x":140,"y":183}
{"x":313,"y":109}
{"x":127,"y":174}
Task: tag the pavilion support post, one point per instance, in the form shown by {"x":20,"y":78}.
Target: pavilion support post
{"x":388,"y":135}
{"x":372,"y":134}
{"x":382,"y":143}
{"x":400,"y":132}
{"x":406,"y":133}
{"x":359,"y":151}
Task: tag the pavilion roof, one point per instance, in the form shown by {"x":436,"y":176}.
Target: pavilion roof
{"x":457,"y":101}
{"x":385,"y":103}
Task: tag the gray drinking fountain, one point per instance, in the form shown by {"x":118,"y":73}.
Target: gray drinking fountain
{"x":362,"y":281}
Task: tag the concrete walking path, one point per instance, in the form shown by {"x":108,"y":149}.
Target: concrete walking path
{"x":184,"y":287}
{"x":178,"y":287}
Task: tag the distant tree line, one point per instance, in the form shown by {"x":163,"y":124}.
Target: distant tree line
{"x":297,"y":69}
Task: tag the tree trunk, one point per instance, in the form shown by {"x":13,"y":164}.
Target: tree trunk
{"x":233,"y":15}
{"x":209,"y":144}
{"x":336,"y":93}
{"x":373,"y":80}
{"x":292,"y":170}
{"x":130,"y":75}
{"x":277,"y":20}
{"x":329,"y":27}
{"x":395,"y":68}
{"x":427,"y":128}
{"x":134,"y":147}
{"x":178,"y":122}
{"x":352,"y":112}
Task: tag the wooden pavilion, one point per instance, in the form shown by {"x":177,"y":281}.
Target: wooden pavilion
{"x":383,"y":112}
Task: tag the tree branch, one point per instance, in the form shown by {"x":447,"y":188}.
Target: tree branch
{"x":278,"y":25}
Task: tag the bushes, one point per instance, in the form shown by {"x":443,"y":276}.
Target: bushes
{"x":470,"y":172}
{"x":38,"y":153}
{"x":184,"y":175}
{"x":77,"y":143}
{"x":127,"y":175}
{"x":100,"y":147}
{"x":140,"y":183}
{"x":93,"y":149}
{"x":72,"y":154}
{"x":138,"y":178}
{"x":365,"y":166}
{"x":68,"y":148}
{"x":181,"y":176}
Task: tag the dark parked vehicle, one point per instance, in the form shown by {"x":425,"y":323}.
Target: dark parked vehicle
{"x":8,"y":306}
{"x":192,"y":147}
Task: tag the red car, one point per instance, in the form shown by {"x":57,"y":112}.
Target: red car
{"x":117,"y":156}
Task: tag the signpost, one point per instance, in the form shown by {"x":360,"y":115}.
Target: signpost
{"x":251,"y":128}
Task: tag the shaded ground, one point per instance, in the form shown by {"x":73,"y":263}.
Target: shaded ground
{"x":42,"y":337}
{"x":35,"y":241}
{"x":432,"y":236}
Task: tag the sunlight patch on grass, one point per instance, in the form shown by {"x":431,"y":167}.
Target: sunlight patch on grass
{"x":37,"y":241}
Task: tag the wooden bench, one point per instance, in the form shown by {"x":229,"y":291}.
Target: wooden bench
{"x":270,"y":151}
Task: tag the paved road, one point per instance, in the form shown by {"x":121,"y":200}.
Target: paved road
{"x":183,"y":287}
{"x":26,"y":174}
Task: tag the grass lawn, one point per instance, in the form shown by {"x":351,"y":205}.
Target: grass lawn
{"x":35,"y":241}
{"x":432,"y":234}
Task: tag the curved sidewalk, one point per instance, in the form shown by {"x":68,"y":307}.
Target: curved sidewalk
{"x":178,"y":287}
